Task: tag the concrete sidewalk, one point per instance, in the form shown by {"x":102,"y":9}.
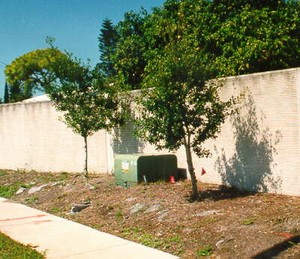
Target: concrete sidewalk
{"x":61,"y":238}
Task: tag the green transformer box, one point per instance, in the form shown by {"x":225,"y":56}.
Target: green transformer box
{"x":132,"y":169}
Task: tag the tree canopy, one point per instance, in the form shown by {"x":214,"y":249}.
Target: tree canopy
{"x":6,"y":93}
{"x":256,"y":39}
{"x":237,"y":36}
{"x":88,"y":105}
{"x":88,"y":102}
{"x":181,"y":109}
{"x":107,"y":44}
{"x":126,"y":54}
{"x":38,"y":69}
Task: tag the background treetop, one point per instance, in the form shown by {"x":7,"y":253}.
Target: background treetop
{"x":237,"y":37}
{"x":38,"y":69}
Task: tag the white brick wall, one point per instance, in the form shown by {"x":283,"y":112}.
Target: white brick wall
{"x":258,"y":150}
{"x":32,"y":137}
{"x":271,"y":153}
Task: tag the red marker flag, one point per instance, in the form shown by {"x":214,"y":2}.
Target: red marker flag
{"x":203,"y":171}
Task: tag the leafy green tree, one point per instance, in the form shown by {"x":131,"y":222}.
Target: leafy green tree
{"x":17,"y":93}
{"x":128,"y":55}
{"x":107,"y":44}
{"x":182,"y":108}
{"x":238,"y":36}
{"x":37,"y":70}
{"x":88,"y":105}
{"x":227,"y":8}
{"x":87,"y":101}
{"x":255,"y":40}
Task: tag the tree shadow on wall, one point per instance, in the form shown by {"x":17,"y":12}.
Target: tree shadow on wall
{"x":125,"y":141}
{"x":250,"y":168}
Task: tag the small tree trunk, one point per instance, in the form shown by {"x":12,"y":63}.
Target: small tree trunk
{"x":187,"y":144}
{"x":86,"y":158}
{"x":195,"y":193}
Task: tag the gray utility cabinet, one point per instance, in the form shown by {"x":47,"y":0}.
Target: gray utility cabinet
{"x":135,"y":168}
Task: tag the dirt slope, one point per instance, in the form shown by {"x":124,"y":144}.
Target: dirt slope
{"x":226,"y":223}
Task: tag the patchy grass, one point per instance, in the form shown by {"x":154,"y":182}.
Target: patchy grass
{"x":2,"y":173}
{"x":151,"y":240}
{"x":248,"y":222}
{"x":31,"y":200}
{"x":55,"y":210}
{"x":9,"y":190}
{"x":10,"y":249}
{"x":205,"y":251}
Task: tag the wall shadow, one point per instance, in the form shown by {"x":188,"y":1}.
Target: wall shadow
{"x":277,"y":249}
{"x":250,"y":167}
{"x":125,"y":141}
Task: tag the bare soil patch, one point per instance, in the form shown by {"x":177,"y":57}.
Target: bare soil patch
{"x":226,"y":223}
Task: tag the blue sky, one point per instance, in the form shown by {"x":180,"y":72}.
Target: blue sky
{"x":75,"y":24}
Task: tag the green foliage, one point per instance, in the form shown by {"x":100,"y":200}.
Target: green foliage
{"x":50,"y":41}
{"x":12,"y":249}
{"x":31,"y":200}
{"x":138,"y":234}
{"x":181,"y":103}
{"x":56,"y":210}
{"x":89,"y":103}
{"x":2,"y":173}
{"x":206,"y":251}
{"x":236,"y":36}
{"x":182,"y":108}
{"x":63,"y":176}
{"x":38,"y":70}
{"x":6,"y":93}
{"x":107,"y":45}
{"x":248,"y":222}
{"x":229,"y":8}
{"x":256,"y":40}
{"x":129,"y":56}
{"x":122,"y":50}
{"x":9,"y":190}
{"x":119,"y":215}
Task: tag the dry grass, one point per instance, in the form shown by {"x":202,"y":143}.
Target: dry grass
{"x":226,"y":223}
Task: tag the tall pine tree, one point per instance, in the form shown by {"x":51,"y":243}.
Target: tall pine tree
{"x":107,"y":44}
{"x":6,"y":93}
